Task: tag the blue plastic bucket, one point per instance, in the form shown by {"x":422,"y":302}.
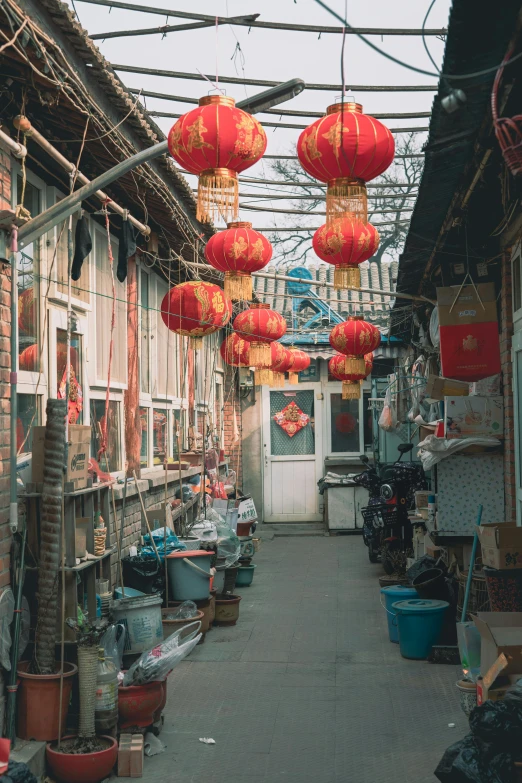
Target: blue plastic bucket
{"x":391,"y":595}
{"x":420,"y":624}
{"x":189,"y":575}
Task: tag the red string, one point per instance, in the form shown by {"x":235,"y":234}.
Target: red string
{"x":105,"y":420}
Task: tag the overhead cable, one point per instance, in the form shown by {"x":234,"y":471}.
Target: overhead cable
{"x":254,"y":208}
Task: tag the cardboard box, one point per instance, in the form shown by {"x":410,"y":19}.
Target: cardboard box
{"x":77,"y":459}
{"x":487,"y":387}
{"x":438,"y":388}
{"x":471,"y":417}
{"x":501,"y":544}
{"x":501,"y":633}
{"x":159,"y":517}
{"x":81,"y":527}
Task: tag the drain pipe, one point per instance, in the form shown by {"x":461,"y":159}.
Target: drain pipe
{"x":13,"y":498}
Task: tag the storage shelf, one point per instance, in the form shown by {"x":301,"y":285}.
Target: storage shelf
{"x":92,"y":561}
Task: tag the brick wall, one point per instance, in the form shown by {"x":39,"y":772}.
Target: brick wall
{"x":5,"y":361}
{"x":232,"y":413}
{"x":506,"y":333}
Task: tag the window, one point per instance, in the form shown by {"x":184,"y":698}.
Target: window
{"x":167,"y":350}
{"x":144,"y":423}
{"x":516,"y":263}
{"x":28,"y":286}
{"x":281,"y":442}
{"x":75,"y":389}
{"x":145,"y":333}
{"x":28,"y":417}
{"x":79,"y":288}
{"x":160,"y":435}
{"x":344,"y":424}
{"x":104,"y":315}
{"x":112,"y":457}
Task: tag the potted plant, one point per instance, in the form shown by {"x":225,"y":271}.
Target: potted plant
{"x":85,"y":758}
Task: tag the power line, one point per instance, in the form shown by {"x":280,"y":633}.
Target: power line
{"x":291,"y":229}
{"x":254,"y":181}
{"x":294,"y":157}
{"x":305,"y":212}
{"x":283,"y":112}
{"x":287,"y":197}
{"x":266,"y":83}
{"x":267,"y":25}
{"x":174,"y":28}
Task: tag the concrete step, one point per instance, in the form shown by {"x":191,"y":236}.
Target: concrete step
{"x":295,"y":529}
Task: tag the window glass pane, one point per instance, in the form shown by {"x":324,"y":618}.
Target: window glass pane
{"x":80,"y":287}
{"x":28,"y":287}
{"x":517,"y":292}
{"x":113,"y":453}
{"x":160,"y":434}
{"x":144,"y":422}
{"x":75,"y":388}
{"x":166,"y":346}
{"x":104,"y":315}
{"x":368,"y":422}
{"x":287,"y":433}
{"x":145,"y":334}
{"x":28,"y":417}
{"x":178,"y":429}
{"x":344,"y":424}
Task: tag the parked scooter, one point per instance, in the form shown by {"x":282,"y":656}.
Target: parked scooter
{"x":387,"y":530}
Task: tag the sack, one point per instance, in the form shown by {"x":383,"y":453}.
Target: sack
{"x":388,"y":417}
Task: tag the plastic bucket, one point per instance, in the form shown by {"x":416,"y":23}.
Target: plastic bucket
{"x":189,"y":575}
{"x":142,"y":620}
{"x":391,"y":595}
{"x":420,"y":624}
{"x":430,"y":585}
{"x":245,"y":575}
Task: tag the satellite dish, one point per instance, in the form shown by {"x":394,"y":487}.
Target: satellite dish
{"x":299,"y":289}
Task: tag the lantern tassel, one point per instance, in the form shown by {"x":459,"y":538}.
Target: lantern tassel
{"x":346,"y":277}
{"x":293,"y":377}
{"x":263,"y":377}
{"x":354,"y":365}
{"x":345,"y":196}
{"x":218,"y":195}
{"x":279,"y":380}
{"x":260,"y":355}
{"x":196,"y":343}
{"x":238,"y":287}
{"x":351,"y":390}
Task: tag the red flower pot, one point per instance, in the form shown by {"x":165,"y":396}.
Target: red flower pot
{"x":39,"y":702}
{"x":83,"y":767}
{"x":139,"y":704}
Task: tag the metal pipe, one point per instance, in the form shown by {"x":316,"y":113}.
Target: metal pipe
{"x":70,"y":168}
{"x":18,"y":150}
{"x":13,"y":487}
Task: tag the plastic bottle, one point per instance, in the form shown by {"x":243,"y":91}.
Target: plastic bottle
{"x":106,"y":709}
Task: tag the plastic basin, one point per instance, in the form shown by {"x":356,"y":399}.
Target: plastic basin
{"x":391,"y":595}
{"x":420,"y":624}
{"x":245,"y":575}
{"x":189,"y":575}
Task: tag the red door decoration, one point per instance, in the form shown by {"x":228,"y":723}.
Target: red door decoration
{"x":238,"y":251}
{"x":195,"y":309}
{"x":300,"y":361}
{"x":281,"y":362}
{"x":351,"y":381}
{"x":291,"y":419}
{"x":217,"y":141}
{"x":235,"y":351}
{"x":346,"y":243}
{"x":345,"y":149}
{"x":260,"y":326}
{"x":354,"y":338}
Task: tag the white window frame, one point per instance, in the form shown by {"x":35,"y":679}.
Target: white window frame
{"x":58,"y":320}
{"x":100,"y":394}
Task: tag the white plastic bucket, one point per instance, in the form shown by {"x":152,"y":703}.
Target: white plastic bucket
{"x":142,"y":620}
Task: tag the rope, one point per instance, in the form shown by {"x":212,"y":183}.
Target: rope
{"x":104,"y":425}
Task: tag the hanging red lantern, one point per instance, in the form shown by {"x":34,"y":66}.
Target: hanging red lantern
{"x":235,"y":351}
{"x":351,"y":389}
{"x":281,"y":363}
{"x":195,"y":309}
{"x":300,"y":361}
{"x":346,"y":242}
{"x":238,"y":251}
{"x":345,"y":149}
{"x":260,"y":326}
{"x":354,"y":338}
{"x":217,"y":141}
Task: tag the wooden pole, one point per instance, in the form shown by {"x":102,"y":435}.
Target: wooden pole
{"x":146,"y":518}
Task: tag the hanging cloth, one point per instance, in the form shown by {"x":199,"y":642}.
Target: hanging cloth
{"x":126,"y":249}
{"x":82,"y":246}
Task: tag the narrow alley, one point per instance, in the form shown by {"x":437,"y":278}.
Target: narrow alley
{"x":334,"y":701}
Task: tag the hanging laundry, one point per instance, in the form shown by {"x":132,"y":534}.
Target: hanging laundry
{"x":82,"y":246}
{"x":126,"y":249}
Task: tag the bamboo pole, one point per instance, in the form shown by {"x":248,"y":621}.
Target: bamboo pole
{"x":146,"y":518}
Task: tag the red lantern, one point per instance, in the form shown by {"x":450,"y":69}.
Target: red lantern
{"x":345,"y":149}
{"x":260,"y":326}
{"x":195,"y":309}
{"x":354,"y":338}
{"x":351,"y":381}
{"x":300,"y":362}
{"x":216,"y":141}
{"x":281,"y":363}
{"x":28,"y":359}
{"x":346,"y":242}
{"x":235,"y":351}
{"x":238,"y":252}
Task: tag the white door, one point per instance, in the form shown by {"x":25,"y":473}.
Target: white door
{"x":292,"y":440}
{"x":517,"y":400}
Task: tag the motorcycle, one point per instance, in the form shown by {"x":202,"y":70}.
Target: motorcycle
{"x":387,"y":530}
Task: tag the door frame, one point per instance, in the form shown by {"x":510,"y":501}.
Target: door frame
{"x":315,"y":387}
{"x":337,"y":388}
{"x":516,"y":350}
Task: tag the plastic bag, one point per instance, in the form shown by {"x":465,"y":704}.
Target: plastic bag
{"x":186,"y":611}
{"x":17,"y":772}
{"x":388,"y":417}
{"x":157,"y":664}
{"x":113,"y":643}
{"x":472,"y":761}
{"x":171,"y":543}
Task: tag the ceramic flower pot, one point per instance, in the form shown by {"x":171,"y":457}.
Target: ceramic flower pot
{"x":82,"y":767}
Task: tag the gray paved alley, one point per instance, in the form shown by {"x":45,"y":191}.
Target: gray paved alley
{"x":307,"y":686}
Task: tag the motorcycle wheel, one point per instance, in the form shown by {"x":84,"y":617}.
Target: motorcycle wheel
{"x":373,"y":557}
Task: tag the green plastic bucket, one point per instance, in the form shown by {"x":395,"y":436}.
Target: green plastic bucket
{"x":420,"y":624}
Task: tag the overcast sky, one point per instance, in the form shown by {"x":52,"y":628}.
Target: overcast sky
{"x":276,"y":55}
